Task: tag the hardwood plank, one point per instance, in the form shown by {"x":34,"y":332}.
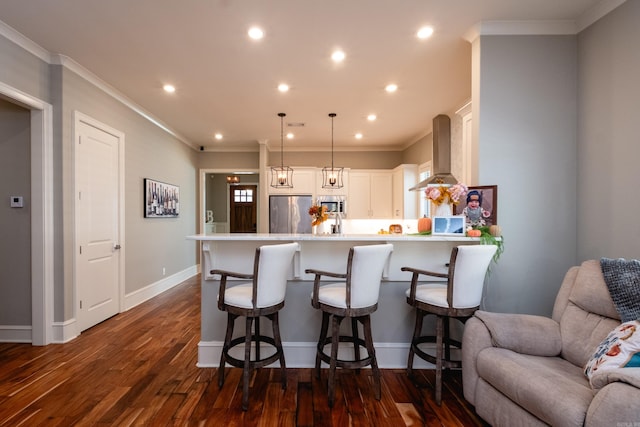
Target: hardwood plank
{"x":139,"y":368}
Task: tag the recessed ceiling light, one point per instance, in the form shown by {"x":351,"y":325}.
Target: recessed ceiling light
{"x":338,"y":56}
{"x":391,"y":88}
{"x":425,"y":32}
{"x":283,"y":87}
{"x":169,"y":88}
{"x":256,"y":33}
{"x":289,"y":135}
{"x":371,"y":117}
{"x":358,"y":136}
{"x":218,"y":136}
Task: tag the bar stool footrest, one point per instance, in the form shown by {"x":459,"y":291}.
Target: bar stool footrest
{"x":345,"y":363}
{"x":239,"y":363}
{"x":446,"y":363}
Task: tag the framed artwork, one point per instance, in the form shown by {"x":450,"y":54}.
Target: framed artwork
{"x":161,"y":200}
{"x":480,"y":206}
{"x":448,"y":226}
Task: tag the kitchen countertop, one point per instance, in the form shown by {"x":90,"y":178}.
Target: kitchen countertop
{"x":327,"y":237}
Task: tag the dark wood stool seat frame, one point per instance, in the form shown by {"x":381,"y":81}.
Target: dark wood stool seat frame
{"x":251,"y":335}
{"x":442,"y":338}
{"x":335,"y":316}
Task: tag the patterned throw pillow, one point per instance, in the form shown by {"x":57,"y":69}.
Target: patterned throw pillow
{"x":620,"y":349}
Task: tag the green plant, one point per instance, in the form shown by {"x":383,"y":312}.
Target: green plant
{"x":486,"y":238}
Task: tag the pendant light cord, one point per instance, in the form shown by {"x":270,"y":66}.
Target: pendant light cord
{"x":332,"y":115}
{"x":282,"y":140}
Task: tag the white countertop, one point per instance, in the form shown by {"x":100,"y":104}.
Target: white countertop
{"x":329,"y":237}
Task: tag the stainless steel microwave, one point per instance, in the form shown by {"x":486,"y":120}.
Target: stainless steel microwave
{"x":334,"y":204}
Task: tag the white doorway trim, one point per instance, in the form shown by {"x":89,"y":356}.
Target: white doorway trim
{"x":42,"y":279}
{"x":202,"y":216}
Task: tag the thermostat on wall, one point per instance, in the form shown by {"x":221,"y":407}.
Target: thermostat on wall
{"x":16,"y":202}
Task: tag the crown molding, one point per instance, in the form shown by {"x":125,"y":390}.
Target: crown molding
{"x":596,"y":12}
{"x":27,"y":44}
{"x":557,"y":27}
{"x":35,"y":49}
{"x":520,"y":28}
{"x":78,"y":69}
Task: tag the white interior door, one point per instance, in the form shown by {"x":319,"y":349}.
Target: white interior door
{"x":98,"y":202}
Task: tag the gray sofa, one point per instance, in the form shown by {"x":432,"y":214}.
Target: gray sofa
{"x":525,"y":370}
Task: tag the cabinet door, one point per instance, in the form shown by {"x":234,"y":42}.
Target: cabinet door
{"x":381,"y":195}
{"x":304,"y":182}
{"x":359,"y":199}
{"x":405,"y":202}
{"x":330,"y":191}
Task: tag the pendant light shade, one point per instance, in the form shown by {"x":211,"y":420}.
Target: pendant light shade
{"x":282,"y":176}
{"x":331,"y":175}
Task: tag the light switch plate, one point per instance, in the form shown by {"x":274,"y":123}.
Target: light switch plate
{"x":16,"y":202}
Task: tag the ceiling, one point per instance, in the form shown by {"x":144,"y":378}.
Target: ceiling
{"x":225,"y":82}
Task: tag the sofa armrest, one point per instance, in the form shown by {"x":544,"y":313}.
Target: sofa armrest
{"x":615,"y":404}
{"x":523,"y":333}
{"x":630,"y":376}
{"x":474,"y":339}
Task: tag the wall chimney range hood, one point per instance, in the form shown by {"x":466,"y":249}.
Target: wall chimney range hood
{"x":441,"y":154}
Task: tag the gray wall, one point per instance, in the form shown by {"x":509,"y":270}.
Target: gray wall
{"x":151,"y":244}
{"x":608,"y":138}
{"x":527,"y":146}
{"x":15,"y":223}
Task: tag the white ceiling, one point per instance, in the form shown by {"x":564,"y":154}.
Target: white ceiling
{"x":228,"y":83}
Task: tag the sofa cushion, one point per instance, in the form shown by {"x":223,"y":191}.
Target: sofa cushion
{"x":550,"y":388}
{"x":620,"y":349}
{"x":623,"y":281}
{"x":581,"y":333}
{"x":591,"y":293}
{"x":589,"y":315}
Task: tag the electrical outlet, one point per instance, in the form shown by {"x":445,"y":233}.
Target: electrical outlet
{"x":164,"y":271}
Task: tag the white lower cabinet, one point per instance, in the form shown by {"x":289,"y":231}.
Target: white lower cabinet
{"x":370,"y":194}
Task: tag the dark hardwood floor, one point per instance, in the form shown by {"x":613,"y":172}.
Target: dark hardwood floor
{"x":139,"y":368}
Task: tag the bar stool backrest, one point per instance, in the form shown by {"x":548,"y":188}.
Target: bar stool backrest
{"x":271,"y":271}
{"x":364,"y":274}
{"x":467,"y":270}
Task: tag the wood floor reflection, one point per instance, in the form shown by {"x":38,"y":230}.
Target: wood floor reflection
{"x":139,"y":368}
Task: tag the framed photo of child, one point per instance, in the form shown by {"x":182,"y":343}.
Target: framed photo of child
{"x":479,"y":206}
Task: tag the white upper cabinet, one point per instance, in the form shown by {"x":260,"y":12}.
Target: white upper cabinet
{"x":370,"y":194}
{"x":405,"y":202}
{"x":332,"y":191}
{"x":303,"y":180}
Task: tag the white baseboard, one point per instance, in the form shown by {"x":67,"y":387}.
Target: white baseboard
{"x":141,"y":295}
{"x":64,"y":331}
{"x":16,"y":334}
{"x":303,"y":355}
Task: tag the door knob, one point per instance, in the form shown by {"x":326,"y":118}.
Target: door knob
{"x":116,"y":247}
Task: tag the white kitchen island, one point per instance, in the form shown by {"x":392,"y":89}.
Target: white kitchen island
{"x":392,"y":323}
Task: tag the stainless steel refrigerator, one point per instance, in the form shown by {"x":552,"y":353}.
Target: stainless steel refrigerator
{"x":290,"y":214}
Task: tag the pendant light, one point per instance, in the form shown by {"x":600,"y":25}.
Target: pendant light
{"x":282,"y":177}
{"x":332,"y":176}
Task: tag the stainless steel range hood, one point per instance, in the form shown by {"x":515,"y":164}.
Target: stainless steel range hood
{"x":441,"y":154}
